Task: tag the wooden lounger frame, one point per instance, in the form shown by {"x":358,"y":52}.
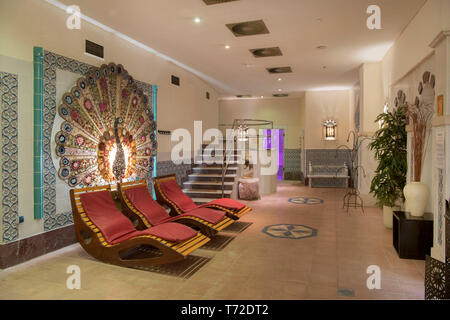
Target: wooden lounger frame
{"x":92,"y":240}
{"x":134,"y":214}
{"x":161,"y":197}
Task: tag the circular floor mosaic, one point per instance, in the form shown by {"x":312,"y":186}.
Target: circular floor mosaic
{"x":290,"y":231}
{"x":305,"y":200}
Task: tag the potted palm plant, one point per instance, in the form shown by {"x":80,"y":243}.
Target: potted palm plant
{"x":390,"y":146}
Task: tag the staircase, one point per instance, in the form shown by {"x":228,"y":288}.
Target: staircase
{"x":204,"y":184}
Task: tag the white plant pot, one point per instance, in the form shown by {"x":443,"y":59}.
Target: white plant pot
{"x":417,"y":195}
{"x":388,"y":213}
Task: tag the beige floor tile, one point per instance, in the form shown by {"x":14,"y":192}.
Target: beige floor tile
{"x":253,"y":266}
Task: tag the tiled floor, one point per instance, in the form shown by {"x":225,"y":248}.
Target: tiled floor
{"x":331,"y":265}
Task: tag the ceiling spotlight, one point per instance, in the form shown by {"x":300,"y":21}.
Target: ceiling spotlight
{"x":262,"y":97}
{"x":319,"y":20}
{"x":279,"y":79}
{"x":227,"y":47}
{"x":324,"y":67}
{"x":197,"y":20}
{"x":279,"y":90}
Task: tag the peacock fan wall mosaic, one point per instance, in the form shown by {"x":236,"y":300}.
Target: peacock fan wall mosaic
{"x":108,"y":132}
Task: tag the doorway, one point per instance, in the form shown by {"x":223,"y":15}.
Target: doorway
{"x":274,"y":139}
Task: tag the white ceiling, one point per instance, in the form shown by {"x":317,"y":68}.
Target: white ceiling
{"x":168,"y":26}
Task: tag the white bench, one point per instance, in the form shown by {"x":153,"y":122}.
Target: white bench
{"x":328,"y":176}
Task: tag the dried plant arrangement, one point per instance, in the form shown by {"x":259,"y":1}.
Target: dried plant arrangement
{"x":420,"y":114}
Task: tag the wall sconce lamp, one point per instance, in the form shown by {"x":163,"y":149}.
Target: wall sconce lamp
{"x":329,"y":130}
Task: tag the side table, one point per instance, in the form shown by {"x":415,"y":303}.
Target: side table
{"x":412,"y":236}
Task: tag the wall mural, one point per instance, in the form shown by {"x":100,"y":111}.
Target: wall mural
{"x":108,"y":133}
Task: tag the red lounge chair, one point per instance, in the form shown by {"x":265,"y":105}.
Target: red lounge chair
{"x":169,"y":192}
{"x":106,"y":234}
{"x":138,"y":205}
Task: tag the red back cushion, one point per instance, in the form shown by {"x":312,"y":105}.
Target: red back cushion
{"x":173,"y":191}
{"x":142,"y":200}
{"x":101,"y":210}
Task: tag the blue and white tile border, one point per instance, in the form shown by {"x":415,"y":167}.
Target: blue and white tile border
{"x":9,"y":84}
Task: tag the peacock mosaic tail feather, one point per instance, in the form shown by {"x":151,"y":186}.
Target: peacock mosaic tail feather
{"x":86,"y":143}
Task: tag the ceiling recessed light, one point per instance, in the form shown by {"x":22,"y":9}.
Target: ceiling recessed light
{"x":322,"y":47}
{"x":262,"y":97}
{"x":279,"y":79}
{"x":227,"y":47}
{"x":280,"y":90}
{"x":197,"y":20}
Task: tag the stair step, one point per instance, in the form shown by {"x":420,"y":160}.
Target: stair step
{"x":208,"y":185}
{"x":213,"y":170}
{"x":211,"y":177}
{"x":211,"y":194}
{"x":218,"y":162}
{"x":214,"y":167}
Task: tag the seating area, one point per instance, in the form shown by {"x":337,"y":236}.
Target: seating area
{"x":108,"y":234}
{"x":328,"y":176}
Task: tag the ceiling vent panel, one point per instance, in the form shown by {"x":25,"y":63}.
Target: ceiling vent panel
{"x":266,"y":52}
{"x":280,"y":70}
{"x":211,"y":2}
{"x":94,"y":49}
{"x":249,"y":28}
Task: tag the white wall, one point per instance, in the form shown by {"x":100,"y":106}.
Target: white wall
{"x":413,"y":45}
{"x":322,"y":106}
{"x":288,"y":114}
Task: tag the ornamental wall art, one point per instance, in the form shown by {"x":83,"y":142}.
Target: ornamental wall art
{"x":108,"y":132}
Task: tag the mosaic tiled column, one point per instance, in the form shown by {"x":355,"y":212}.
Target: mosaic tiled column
{"x":38,"y":104}
{"x":9,"y":156}
{"x":155,"y":108}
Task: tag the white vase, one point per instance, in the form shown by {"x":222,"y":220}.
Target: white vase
{"x":388,"y":213}
{"x":417,"y":195}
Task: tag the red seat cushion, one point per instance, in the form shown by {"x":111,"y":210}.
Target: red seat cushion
{"x":170,"y":231}
{"x":143,"y":201}
{"x":101,"y":210}
{"x":210,"y":215}
{"x":227,"y":203}
{"x":173,"y":191}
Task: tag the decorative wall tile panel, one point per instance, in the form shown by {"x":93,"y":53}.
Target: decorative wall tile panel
{"x":9,"y":150}
{"x":293,"y":164}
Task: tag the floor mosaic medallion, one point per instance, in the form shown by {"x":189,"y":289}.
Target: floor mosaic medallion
{"x":305,"y":200}
{"x":290,"y":231}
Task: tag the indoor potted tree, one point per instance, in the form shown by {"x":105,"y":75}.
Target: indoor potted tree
{"x":390,"y":146}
